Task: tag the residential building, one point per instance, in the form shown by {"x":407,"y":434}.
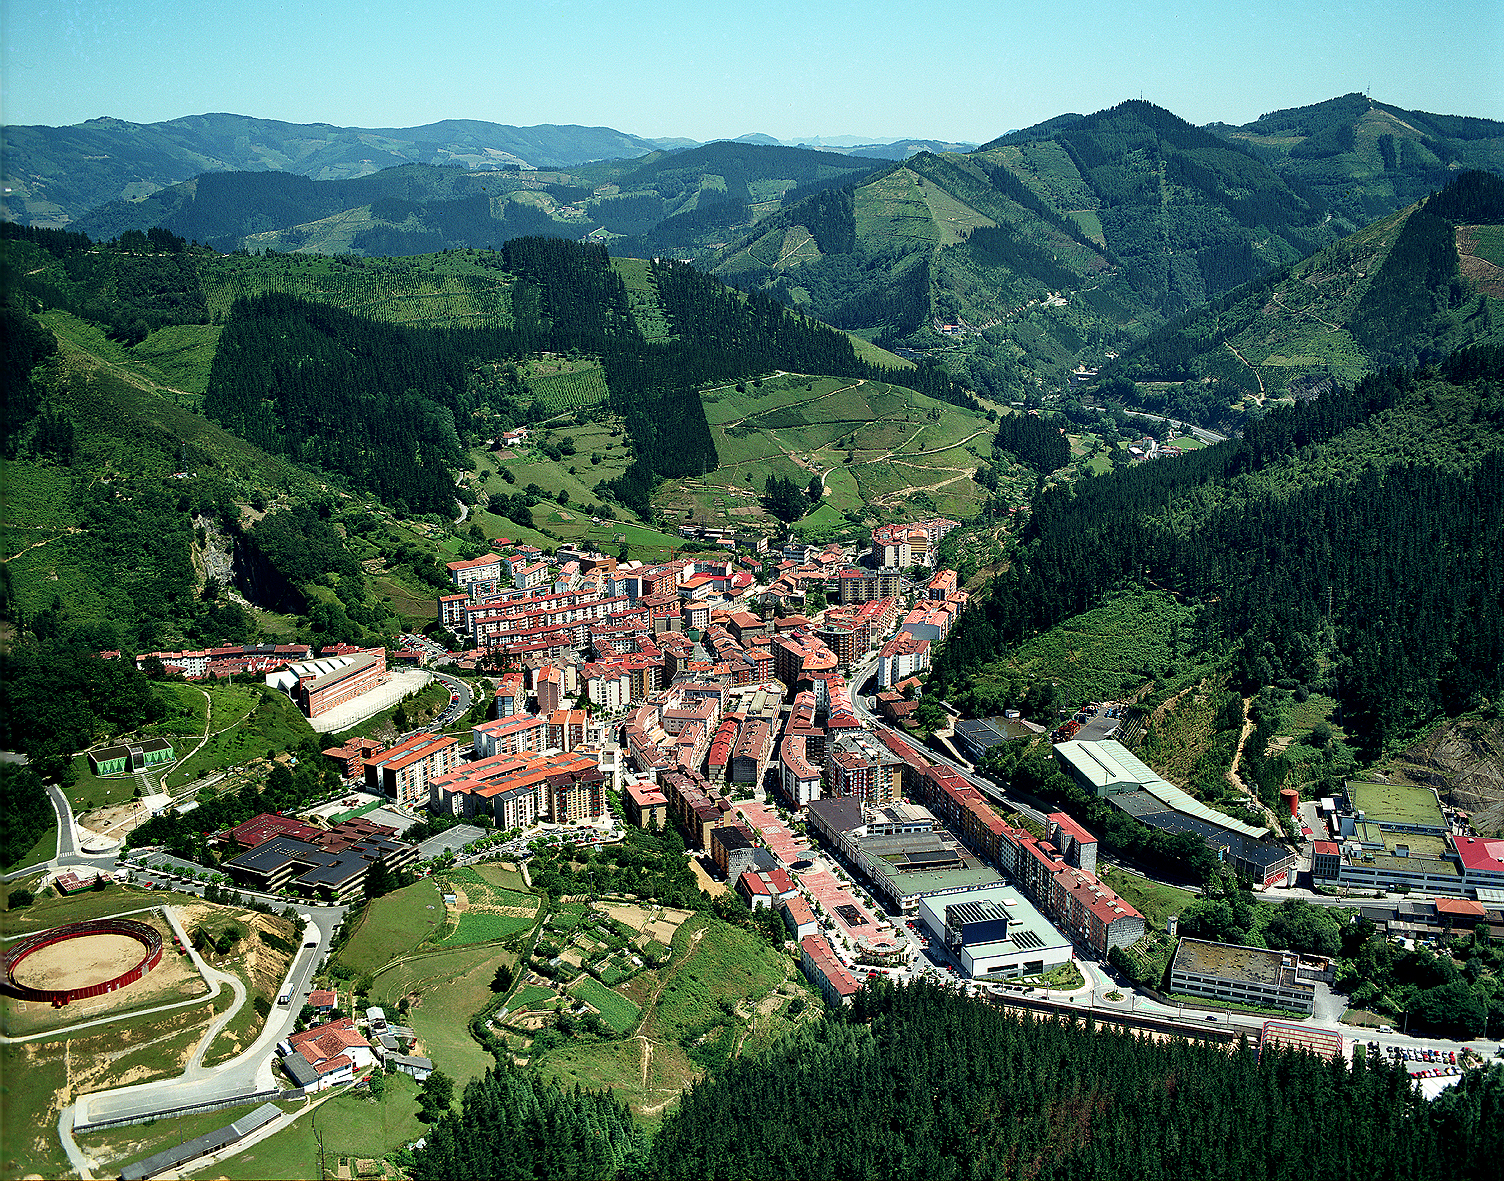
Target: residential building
{"x":403,"y":772}
{"x":825,"y":971}
{"x":486,"y":568}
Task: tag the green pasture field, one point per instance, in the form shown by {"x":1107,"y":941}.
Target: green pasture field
{"x":51,"y":909}
{"x":563,"y":384}
{"x":727,"y":963}
{"x":1154,"y":901}
{"x":450,"y":288}
{"x":901,"y":445}
{"x":36,"y":1074}
{"x":1488,"y":243}
{"x":642,"y":297}
{"x":502,"y":877}
{"x":351,"y":1124}
{"x":179,"y":356}
{"x":454,"y":986}
{"x":892,"y":211}
{"x":486,"y":928}
{"x":273,"y":724}
{"x":618,"y":1065}
{"x":615,"y":1010}
{"x":394,"y":925}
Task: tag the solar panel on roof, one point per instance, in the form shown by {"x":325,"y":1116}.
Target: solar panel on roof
{"x":1025,"y":940}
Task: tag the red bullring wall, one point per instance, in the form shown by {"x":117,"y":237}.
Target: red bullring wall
{"x":149,"y":938}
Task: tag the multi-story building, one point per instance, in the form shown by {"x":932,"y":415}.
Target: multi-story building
{"x":825,"y":971}
{"x":859,"y":766}
{"x":508,"y":736}
{"x":799,"y":780}
{"x":1242,"y":975}
{"x":403,"y":772}
{"x":486,"y":568}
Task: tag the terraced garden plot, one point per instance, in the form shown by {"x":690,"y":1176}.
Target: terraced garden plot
{"x":615,"y":1010}
{"x":531,"y":996}
{"x":485,"y":928}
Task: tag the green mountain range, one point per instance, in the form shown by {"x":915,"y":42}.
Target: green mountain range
{"x":54,"y":175}
{"x":1410,"y":288}
{"x":1066,"y":241}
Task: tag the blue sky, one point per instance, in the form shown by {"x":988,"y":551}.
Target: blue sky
{"x":961,"y":71}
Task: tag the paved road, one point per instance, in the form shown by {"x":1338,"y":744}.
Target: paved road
{"x":251,"y":1071}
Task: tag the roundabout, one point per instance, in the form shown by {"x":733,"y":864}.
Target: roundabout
{"x":79,"y":960}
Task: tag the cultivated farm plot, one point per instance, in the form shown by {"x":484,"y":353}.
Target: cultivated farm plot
{"x":566,"y":385}
{"x":615,"y":1010}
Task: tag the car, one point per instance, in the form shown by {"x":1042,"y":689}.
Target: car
{"x":311,"y":943}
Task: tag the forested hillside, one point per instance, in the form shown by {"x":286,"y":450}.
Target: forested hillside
{"x":1412,"y":287}
{"x":1350,"y":545}
{"x":924,"y":1083}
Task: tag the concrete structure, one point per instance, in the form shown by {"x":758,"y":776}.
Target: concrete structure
{"x":646,"y":805}
{"x":403,"y":772}
{"x":1241,"y":975}
{"x":131,"y":758}
{"x":994,"y":932}
{"x":486,"y":568}
{"x":319,"y":686}
{"x":825,"y":971}
{"x":335,"y":873}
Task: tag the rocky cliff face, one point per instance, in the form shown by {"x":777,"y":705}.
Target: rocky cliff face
{"x":1464,"y":762}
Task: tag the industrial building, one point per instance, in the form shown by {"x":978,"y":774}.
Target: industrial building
{"x":1245,"y":975}
{"x":1109,"y":769}
{"x":994,"y":932}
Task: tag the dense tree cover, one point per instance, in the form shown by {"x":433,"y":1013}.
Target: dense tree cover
{"x":58,"y":697}
{"x":645,"y":864}
{"x":920,"y":1082}
{"x":786,"y":500}
{"x":27,"y":810}
{"x":512,"y":1124}
{"x":1418,"y":280}
{"x":132,"y":286}
{"x":25,"y":344}
{"x":1036,"y":442}
{"x":1320,"y":522}
{"x":375,"y":402}
{"x":1455,"y":992}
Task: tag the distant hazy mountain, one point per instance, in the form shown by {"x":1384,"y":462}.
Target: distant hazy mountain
{"x":52,"y":175}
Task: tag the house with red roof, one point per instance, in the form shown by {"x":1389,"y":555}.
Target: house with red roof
{"x":325,"y":1055}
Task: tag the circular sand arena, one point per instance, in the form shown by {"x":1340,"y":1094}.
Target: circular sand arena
{"x":80,"y":960}
{"x":78,"y":963}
